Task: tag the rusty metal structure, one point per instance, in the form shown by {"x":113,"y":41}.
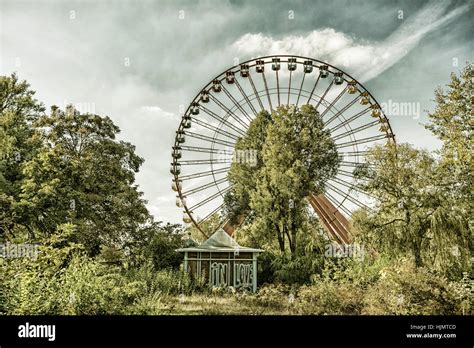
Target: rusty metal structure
{"x":221,"y":112}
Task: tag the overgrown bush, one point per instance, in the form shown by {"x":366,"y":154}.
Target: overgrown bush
{"x":167,"y":281}
{"x":65,"y":281}
{"x":371,"y":287}
{"x":404,"y":289}
{"x":274,"y":295}
{"x":286,"y":269}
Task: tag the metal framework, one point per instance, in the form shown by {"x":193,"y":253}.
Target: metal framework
{"x":222,"y":111}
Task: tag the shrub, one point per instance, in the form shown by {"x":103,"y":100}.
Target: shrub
{"x":89,"y":287}
{"x":167,"y":281}
{"x":404,"y":289}
{"x":65,"y":281}
{"x":274,"y":295}
{"x":287,"y":269}
{"x":330,"y":297}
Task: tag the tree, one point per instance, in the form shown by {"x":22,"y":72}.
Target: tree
{"x":295,"y":157}
{"x":82,"y":175}
{"x":163,"y":244}
{"x":18,"y":110}
{"x":424,"y":204}
{"x":452,"y":122}
{"x":414,"y":213}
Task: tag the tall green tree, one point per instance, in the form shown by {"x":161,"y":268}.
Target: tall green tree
{"x":452,"y":122}
{"x":157,"y":243}
{"x":424,"y":203}
{"x":295,"y":157}
{"x":414,"y":214}
{"x":82,"y":175}
{"x":18,"y":144}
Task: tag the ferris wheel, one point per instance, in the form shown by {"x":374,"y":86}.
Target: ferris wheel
{"x":221,"y":113}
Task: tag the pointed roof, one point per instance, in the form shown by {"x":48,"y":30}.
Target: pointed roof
{"x":220,"y":241}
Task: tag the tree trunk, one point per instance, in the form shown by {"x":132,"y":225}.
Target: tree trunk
{"x":281,"y":239}
{"x":293,"y":243}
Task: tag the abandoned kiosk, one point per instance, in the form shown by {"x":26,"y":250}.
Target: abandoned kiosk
{"x":222,"y":262}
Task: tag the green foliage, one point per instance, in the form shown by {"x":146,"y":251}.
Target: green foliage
{"x":289,"y":270}
{"x":89,"y":287}
{"x":415,"y":214}
{"x":31,"y":286}
{"x":295,"y":157}
{"x":157,"y":242}
{"x":408,"y":290}
{"x":82,"y":175}
{"x":18,"y":110}
{"x":63,"y":280}
{"x":67,"y":184}
{"x":274,"y":295}
{"x":111,"y":255}
{"x":382,"y":287}
{"x":65,"y":167}
{"x":332,"y":298}
{"x":452,"y":122}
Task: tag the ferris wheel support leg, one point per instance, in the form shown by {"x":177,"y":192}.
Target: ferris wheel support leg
{"x":332,"y":220}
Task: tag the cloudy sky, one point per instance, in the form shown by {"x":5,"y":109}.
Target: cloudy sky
{"x":141,"y":62}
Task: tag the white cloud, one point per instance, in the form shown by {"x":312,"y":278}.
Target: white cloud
{"x":365,"y":59}
{"x":155,"y":110}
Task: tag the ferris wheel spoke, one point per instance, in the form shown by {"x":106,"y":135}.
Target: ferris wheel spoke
{"x":205,"y":161}
{"x":214,"y":129}
{"x":239,"y":87}
{"x":208,"y":216}
{"x":354,"y":153}
{"x":223,"y":121}
{"x":314,"y":88}
{"x":341,"y":111}
{"x":204,"y":174}
{"x":356,"y":130}
{"x":289,"y":88}
{"x":324,"y":95}
{"x":209,"y":139}
{"x":205,"y":186}
{"x":346,"y":173}
{"x":352,"y":187}
{"x":333,"y":103}
{"x":207,"y":150}
{"x":278,"y":86}
{"x":361,"y":141}
{"x":229,"y":112}
{"x":256,"y":93}
{"x":301,"y":87}
{"x":346,"y":196}
{"x":210,"y":198}
{"x":266,"y":88}
{"x":347,"y":121}
{"x":231,"y":97}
